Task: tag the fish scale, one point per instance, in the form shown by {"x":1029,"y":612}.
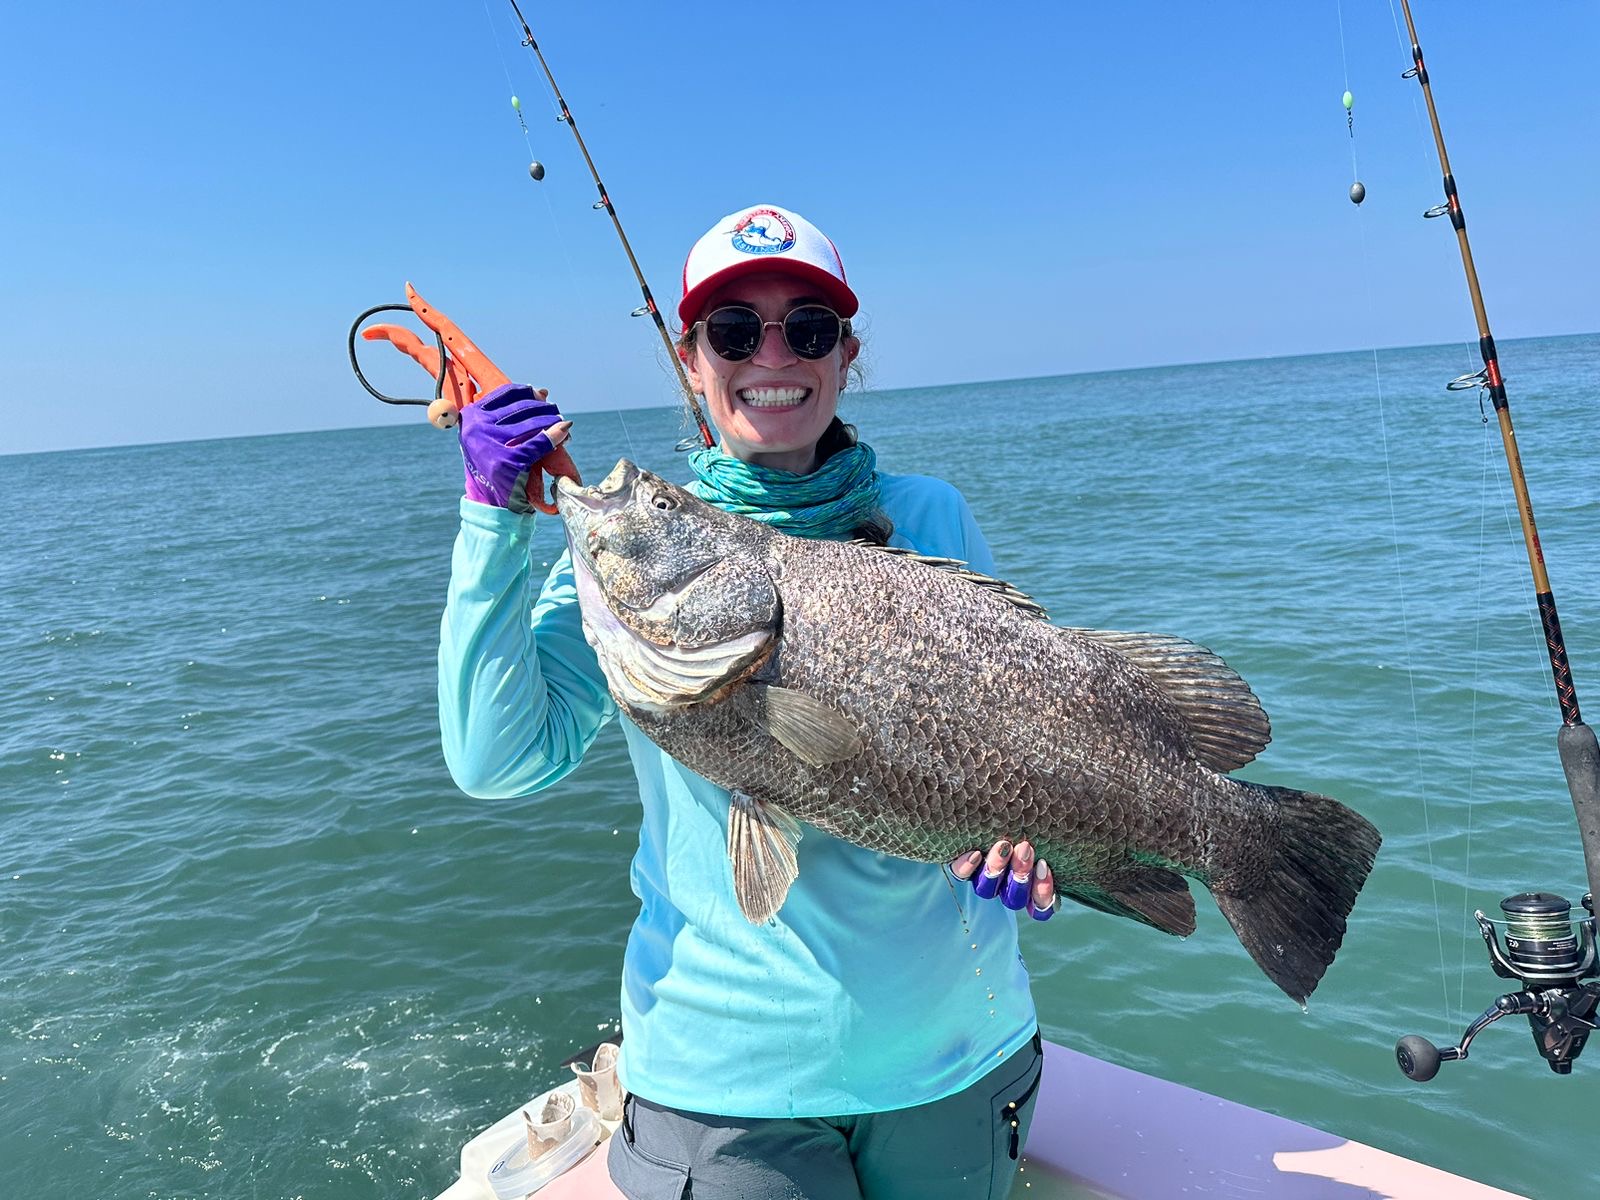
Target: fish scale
{"x":919,"y":711}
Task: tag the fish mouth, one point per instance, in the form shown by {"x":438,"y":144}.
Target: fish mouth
{"x":587,"y":511}
{"x":577,"y":501}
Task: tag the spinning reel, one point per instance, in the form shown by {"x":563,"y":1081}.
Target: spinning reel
{"x":1553,"y":957}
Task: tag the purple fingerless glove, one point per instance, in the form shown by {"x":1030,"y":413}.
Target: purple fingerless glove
{"x":502,"y":436}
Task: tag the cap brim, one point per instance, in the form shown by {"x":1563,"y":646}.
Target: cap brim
{"x":832,"y":289}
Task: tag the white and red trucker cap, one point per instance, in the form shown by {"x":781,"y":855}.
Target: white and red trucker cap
{"x":764,"y":237}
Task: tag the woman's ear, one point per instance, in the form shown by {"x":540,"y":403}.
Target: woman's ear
{"x":849,"y":348}
{"x":691,"y":365}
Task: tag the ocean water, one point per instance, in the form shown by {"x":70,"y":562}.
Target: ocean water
{"x":254,"y":943}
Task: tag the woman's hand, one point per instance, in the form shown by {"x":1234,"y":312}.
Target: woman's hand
{"x":1011,"y":873}
{"x":510,"y":433}
{"x":507,"y":438}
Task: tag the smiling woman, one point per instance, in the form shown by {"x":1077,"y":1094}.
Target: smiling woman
{"x":814,"y":1047}
{"x":771,"y":396}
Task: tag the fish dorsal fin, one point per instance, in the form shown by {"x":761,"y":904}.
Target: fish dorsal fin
{"x":1226,"y":721}
{"x":809,"y":729}
{"x":763,"y":844}
{"x":954,"y":566}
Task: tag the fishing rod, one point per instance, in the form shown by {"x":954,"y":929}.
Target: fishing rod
{"x":1552,"y":956}
{"x":441,"y":412}
{"x":649,"y":305}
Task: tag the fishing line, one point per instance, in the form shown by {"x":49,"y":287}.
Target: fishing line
{"x":1491,"y":484}
{"x":1422,"y":137}
{"x":632,"y":453}
{"x":1349,"y":109}
{"x":1394,"y":534}
{"x":952,"y":883}
{"x":1411,"y":677}
{"x":1477,"y":667}
{"x":535,"y":169}
{"x":1554,"y":957}
{"x":1484,"y":476}
{"x":648,"y":308}
{"x":1530,"y":612}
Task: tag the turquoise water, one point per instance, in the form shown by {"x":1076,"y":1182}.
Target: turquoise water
{"x":253,"y":943}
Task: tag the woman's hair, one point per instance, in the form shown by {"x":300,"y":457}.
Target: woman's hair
{"x":836,"y":437}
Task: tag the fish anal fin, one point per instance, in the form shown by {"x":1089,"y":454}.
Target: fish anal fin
{"x":1161,"y":897}
{"x":808,"y":729}
{"x":1227,"y":725}
{"x":763,"y":845}
{"x":1152,"y":896}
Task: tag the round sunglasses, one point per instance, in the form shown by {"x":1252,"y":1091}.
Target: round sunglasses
{"x":734,"y":332}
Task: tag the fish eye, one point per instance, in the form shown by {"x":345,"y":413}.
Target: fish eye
{"x":664,"y":502}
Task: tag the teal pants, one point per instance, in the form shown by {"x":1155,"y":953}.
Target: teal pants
{"x":964,"y":1147}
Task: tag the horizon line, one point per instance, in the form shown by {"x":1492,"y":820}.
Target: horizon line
{"x":866,"y":393}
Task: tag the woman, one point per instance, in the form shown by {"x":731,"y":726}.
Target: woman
{"x":874,"y":1039}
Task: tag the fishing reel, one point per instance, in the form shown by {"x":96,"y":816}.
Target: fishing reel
{"x":1553,"y":958}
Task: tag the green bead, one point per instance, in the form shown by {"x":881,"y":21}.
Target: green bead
{"x":1349,"y":100}
{"x":517,"y":104}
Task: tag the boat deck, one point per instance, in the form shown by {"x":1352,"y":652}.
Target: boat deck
{"x":1103,"y":1132}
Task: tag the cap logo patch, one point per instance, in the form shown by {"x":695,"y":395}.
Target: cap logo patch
{"x":763,"y":231}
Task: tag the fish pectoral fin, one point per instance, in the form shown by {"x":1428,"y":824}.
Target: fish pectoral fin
{"x":763,"y":841}
{"x":809,"y":729}
{"x":1150,"y":895}
{"x":1227,"y":725}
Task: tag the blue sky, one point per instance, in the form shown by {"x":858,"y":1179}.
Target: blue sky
{"x":199,"y":198}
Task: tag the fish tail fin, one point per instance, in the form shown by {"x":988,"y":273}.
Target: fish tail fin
{"x":1292,"y":917}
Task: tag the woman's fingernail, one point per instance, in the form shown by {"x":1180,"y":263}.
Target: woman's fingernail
{"x":968,"y":862}
{"x":1003,"y":849}
{"x":1041,"y":872}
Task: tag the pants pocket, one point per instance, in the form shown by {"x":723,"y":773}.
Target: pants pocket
{"x":1012,"y":1106}
{"x":638,"y":1174}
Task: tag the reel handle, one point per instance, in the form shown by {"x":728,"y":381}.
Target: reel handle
{"x":1419,"y":1058}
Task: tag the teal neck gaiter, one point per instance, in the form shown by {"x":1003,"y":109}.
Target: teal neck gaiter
{"x":832,"y":502}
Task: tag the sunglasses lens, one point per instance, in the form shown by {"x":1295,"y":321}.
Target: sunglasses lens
{"x":733,"y":333}
{"x":811,"y":330}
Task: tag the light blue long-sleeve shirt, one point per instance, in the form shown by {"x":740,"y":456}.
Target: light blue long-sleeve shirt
{"x":880,"y":984}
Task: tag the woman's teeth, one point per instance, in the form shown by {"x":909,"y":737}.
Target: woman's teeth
{"x":773,"y":397}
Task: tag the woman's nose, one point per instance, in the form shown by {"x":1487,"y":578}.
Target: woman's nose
{"x":774,"y":348}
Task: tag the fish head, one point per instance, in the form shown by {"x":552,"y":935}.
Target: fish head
{"x":676,"y":596}
{"x":641,"y":537}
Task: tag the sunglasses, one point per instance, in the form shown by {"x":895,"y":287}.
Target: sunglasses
{"x":734,"y":332}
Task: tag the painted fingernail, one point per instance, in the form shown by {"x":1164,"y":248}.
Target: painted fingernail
{"x":1041,"y":872}
{"x":1003,"y":849}
{"x":987,"y":886}
{"x":1015,"y":897}
{"x":967,"y":862}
